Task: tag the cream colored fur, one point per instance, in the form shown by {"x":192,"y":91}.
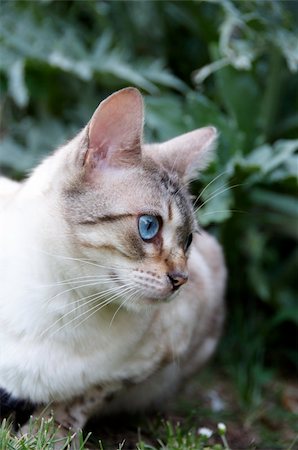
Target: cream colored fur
{"x":57,"y":347}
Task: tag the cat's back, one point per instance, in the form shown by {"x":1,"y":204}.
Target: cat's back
{"x":8,"y":189}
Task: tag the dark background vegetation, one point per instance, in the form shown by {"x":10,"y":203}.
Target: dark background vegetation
{"x":227,"y":63}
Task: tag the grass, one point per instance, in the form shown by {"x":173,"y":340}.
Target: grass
{"x":190,"y":418}
{"x":45,"y":439}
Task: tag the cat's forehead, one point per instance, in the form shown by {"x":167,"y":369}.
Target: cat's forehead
{"x":141,"y":190}
{"x":152,"y":189}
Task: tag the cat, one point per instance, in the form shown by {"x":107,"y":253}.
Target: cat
{"x":111,"y":295}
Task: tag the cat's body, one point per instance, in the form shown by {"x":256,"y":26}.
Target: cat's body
{"x":83,"y":321}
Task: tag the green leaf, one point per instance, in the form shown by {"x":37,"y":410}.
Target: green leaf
{"x":267,"y":159}
{"x":288,"y":43}
{"x":282,"y":150}
{"x":289,"y":314}
{"x":16,"y":83}
{"x":240,"y":95}
{"x":287,"y":171}
{"x":13,"y":155}
{"x":61,"y":61}
{"x":167,"y":110}
{"x":281,"y":203}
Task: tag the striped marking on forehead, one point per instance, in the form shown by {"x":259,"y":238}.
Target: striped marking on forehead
{"x":181,"y":219}
{"x":170,"y":182}
{"x":179,"y":209}
{"x":178,"y":198}
{"x":170,"y":212}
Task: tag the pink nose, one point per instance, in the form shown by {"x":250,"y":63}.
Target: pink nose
{"x":177,"y":279}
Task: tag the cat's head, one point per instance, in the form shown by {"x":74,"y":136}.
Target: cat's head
{"x":127,"y":205}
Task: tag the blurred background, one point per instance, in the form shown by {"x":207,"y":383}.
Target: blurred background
{"x":227,"y":63}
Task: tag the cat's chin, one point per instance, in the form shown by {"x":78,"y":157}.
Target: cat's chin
{"x":161,"y":299}
{"x":145,"y":302}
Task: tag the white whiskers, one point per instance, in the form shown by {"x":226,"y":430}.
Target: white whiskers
{"x":216,"y":193}
{"x":95,"y":309}
{"x":112,"y":294}
{"x":209,"y":184}
{"x":132,"y":296}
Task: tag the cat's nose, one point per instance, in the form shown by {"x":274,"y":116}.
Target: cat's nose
{"x":177,"y":279}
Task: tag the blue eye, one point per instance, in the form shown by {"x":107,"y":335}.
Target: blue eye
{"x":148,"y":227}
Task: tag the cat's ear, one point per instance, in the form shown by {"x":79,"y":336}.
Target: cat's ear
{"x":115,"y":131}
{"x":189,"y":153}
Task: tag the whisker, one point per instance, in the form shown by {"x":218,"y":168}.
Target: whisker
{"x":85,"y":261}
{"x":92,"y":298}
{"x":100,"y":295}
{"x":173,"y":165}
{"x":94,"y":308}
{"x":72,"y":289}
{"x":209,"y":184}
{"x":93,"y":283}
{"x":76,"y":280}
{"x":216,"y":194}
{"x":223,"y":211}
{"x":134,"y":292}
{"x":228,"y":187}
{"x":183,"y":185}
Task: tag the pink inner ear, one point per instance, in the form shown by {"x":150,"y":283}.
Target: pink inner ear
{"x":115,"y":130}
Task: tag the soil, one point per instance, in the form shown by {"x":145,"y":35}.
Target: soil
{"x":204,"y":402}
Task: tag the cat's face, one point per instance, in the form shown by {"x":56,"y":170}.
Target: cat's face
{"x":127,"y":206}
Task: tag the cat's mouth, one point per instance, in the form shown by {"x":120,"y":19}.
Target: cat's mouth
{"x":147,"y":287}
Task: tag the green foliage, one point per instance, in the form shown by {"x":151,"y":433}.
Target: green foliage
{"x":227,"y":63}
